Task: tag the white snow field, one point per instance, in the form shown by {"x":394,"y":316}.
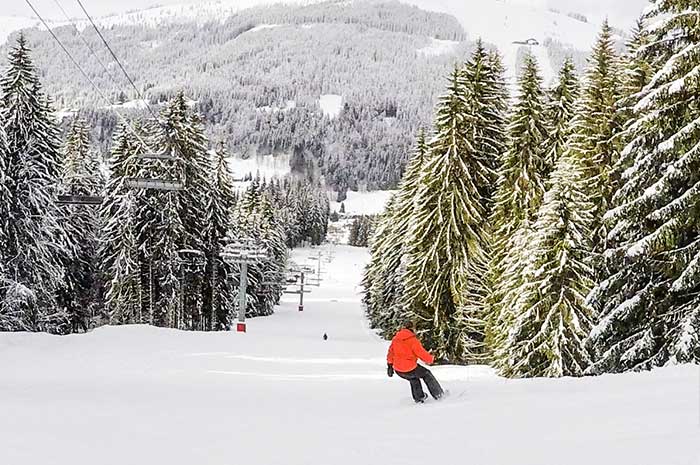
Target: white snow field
{"x":364,"y":203}
{"x":331,"y":105}
{"x":280,"y":395}
{"x":268,"y":166}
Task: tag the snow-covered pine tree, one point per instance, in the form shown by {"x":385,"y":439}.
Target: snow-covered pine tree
{"x":523,"y":171}
{"x":33,"y":245}
{"x":218,"y":304}
{"x":637,"y":72}
{"x":550,"y":317}
{"x":171,"y":224}
{"x":521,"y":186}
{"x":560,"y":110}
{"x":497,"y":114}
{"x":81,"y":177}
{"x":384,"y":276}
{"x":648,"y":299}
{"x":449,"y":245}
{"x":119,"y":255}
{"x":596,"y":127}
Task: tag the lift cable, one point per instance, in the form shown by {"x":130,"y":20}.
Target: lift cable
{"x":104,"y":41}
{"x":85,"y":75}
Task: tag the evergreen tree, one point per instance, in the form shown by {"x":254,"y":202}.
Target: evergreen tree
{"x":448,"y":246}
{"x":636,"y":73}
{"x":550,"y":317}
{"x":524,"y":169}
{"x":33,"y":245}
{"x":119,"y":255}
{"x":560,"y":111}
{"x":648,"y":297}
{"x":384,"y":276}
{"x":81,"y":177}
{"x":596,"y":127}
{"x":521,"y":187}
{"x":218,"y":306}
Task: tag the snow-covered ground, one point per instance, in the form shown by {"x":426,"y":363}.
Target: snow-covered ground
{"x":438,"y":47}
{"x":503,"y":22}
{"x":331,"y":104}
{"x":364,"y":203}
{"x":269,"y":166}
{"x":280,"y":394}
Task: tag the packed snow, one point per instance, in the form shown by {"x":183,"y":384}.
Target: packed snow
{"x":364,"y":203}
{"x":438,"y":47}
{"x":280,"y":394}
{"x":331,"y":105}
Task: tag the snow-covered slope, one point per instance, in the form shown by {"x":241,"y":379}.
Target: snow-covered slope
{"x":500,"y":22}
{"x":267,"y":166}
{"x":190,"y":11}
{"x":503,"y":22}
{"x":9,"y":24}
{"x":364,"y":203}
{"x":280,"y":394}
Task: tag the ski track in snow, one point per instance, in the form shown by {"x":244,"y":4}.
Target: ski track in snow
{"x":280,"y":394}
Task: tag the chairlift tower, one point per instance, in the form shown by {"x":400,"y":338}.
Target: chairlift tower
{"x":243,"y":253}
{"x":300,"y":276}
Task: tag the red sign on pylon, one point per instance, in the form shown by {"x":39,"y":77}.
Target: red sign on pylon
{"x":240,"y":327}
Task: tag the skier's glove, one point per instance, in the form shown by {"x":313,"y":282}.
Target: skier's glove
{"x":390,"y":371}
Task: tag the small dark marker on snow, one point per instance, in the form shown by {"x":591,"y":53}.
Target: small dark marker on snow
{"x":325,"y":336}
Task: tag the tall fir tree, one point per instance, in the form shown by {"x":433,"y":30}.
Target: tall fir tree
{"x":218,"y":304}
{"x":550,"y":318}
{"x":449,"y":245}
{"x":524,"y":168}
{"x":648,"y":296}
{"x":596,"y":128}
{"x":521,"y":186}
{"x":81,"y":294}
{"x":118,"y":253}
{"x":560,"y":111}
{"x":384,"y":275}
{"x":33,"y":243}
{"x":637,"y":72}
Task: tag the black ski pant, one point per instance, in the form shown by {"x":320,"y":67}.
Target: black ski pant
{"x":415,"y":376}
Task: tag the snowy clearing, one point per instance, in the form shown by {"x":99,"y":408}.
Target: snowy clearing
{"x":331,"y":105}
{"x":262,"y":27}
{"x":269,"y":166}
{"x":364,"y":203}
{"x":438,"y":47}
{"x":137,"y":104}
{"x":280,"y":394}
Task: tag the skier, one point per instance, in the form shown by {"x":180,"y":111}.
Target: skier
{"x":402,"y":359}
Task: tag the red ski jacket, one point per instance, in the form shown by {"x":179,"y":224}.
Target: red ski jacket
{"x":405,"y":350}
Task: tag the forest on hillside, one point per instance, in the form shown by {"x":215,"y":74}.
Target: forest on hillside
{"x":243,"y":84}
{"x":368,"y":53}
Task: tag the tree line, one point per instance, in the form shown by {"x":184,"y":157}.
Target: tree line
{"x":556,"y":236}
